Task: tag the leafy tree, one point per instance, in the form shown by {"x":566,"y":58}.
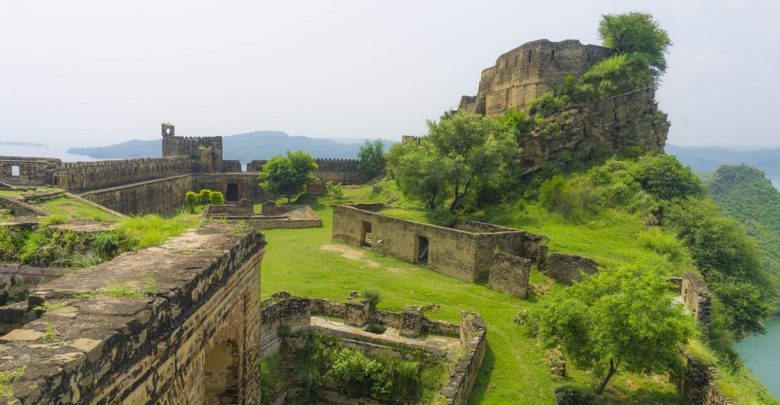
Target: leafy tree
{"x":372,"y":158}
{"x":664,"y":177}
{"x":728,"y":260}
{"x":636,"y":34}
{"x":419,"y":173}
{"x":287,"y":176}
{"x":460,"y":152}
{"x":217,"y":198}
{"x":615,"y":320}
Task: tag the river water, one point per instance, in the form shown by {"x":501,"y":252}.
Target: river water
{"x":761,"y":355}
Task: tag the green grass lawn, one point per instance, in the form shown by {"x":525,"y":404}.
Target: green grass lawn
{"x":72,"y":209}
{"x":307,"y":262}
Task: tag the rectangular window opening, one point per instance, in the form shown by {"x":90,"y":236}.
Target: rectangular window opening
{"x":422,"y":251}
{"x":14,"y":171}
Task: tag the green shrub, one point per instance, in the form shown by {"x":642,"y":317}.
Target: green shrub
{"x":204,"y":196}
{"x":335,"y":191}
{"x":573,"y":200}
{"x":355,"y":374}
{"x":217,"y":198}
{"x":373,"y":298}
{"x":664,"y":177}
{"x":191,"y":200}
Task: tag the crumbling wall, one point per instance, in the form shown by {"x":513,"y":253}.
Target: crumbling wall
{"x":529,"y":70}
{"x":163,"y":196}
{"x":78,"y":177}
{"x":464,"y":251}
{"x":450,"y":251}
{"x":509,"y":274}
{"x":473,"y":337}
{"x":696,"y":298}
{"x":283,"y":312}
{"x":697,"y":383}
{"x":145,"y":348}
{"x":568,"y":268}
{"x":32,"y":171}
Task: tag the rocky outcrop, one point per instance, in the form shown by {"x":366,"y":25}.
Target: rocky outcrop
{"x":598,"y":130}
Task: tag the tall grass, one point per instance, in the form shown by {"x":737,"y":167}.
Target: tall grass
{"x":152,"y":230}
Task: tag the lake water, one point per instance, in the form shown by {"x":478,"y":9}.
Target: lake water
{"x":42,"y":151}
{"x":761,"y":354}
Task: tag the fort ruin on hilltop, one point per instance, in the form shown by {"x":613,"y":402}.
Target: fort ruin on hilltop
{"x":529,"y":70}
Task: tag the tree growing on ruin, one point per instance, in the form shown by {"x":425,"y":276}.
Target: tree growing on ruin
{"x":636,"y":34}
{"x":288,"y":175}
{"x":460,"y":152}
{"x":372,"y":158}
{"x":615,"y":320}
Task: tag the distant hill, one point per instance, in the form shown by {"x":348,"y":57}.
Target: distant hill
{"x":744,"y":193}
{"x":243,"y":147}
{"x":707,"y":159}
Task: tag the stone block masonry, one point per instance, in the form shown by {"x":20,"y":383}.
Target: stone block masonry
{"x":163,"y":196}
{"x":567,"y":269}
{"x":510,"y":274}
{"x":79,"y":177}
{"x":529,"y":70}
{"x":464,"y":251}
{"x":285,"y":311}
{"x":194,"y":340}
{"x":27,"y":171}
{"x":696,"y":299}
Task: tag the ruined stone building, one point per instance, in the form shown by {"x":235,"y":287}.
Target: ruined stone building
{"x":590,"y":131}
{"x":529,"y":70}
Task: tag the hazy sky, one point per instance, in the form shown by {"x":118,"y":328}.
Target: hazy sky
{"x":97,"y":72}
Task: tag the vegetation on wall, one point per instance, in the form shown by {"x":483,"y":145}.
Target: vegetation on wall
{"x":287,"y":176}
{"x":411,"y":377}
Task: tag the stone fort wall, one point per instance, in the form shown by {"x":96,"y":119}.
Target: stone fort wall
{"x":196,"y":339}
{"x":529,"y":70}
{"x":80,"y":177}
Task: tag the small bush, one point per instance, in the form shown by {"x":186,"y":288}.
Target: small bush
{"x":217,"y":198}
{"x":373,"y":298}
{"x":191,"y":200}
{"x":335,"y":191}
{"x":375,"y":328}
{"x":572,"y":200}
{"x":204,"y":196}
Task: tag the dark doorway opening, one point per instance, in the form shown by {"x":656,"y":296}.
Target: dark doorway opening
{"x":422,"y":251}
{"x":368,"y":238}
{"x":232,"y":192}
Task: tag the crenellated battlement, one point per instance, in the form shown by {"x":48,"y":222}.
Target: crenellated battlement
{"x":85,"y":176}
{"x":205,"y":151}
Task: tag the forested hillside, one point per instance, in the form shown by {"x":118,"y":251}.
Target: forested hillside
{"x":744,"y":193}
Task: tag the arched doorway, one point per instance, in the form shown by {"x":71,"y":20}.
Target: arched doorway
{"x":231,"y":193}
{"x":220,"y":375}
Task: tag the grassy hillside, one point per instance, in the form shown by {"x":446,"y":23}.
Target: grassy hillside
{"x":515,"y":370}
